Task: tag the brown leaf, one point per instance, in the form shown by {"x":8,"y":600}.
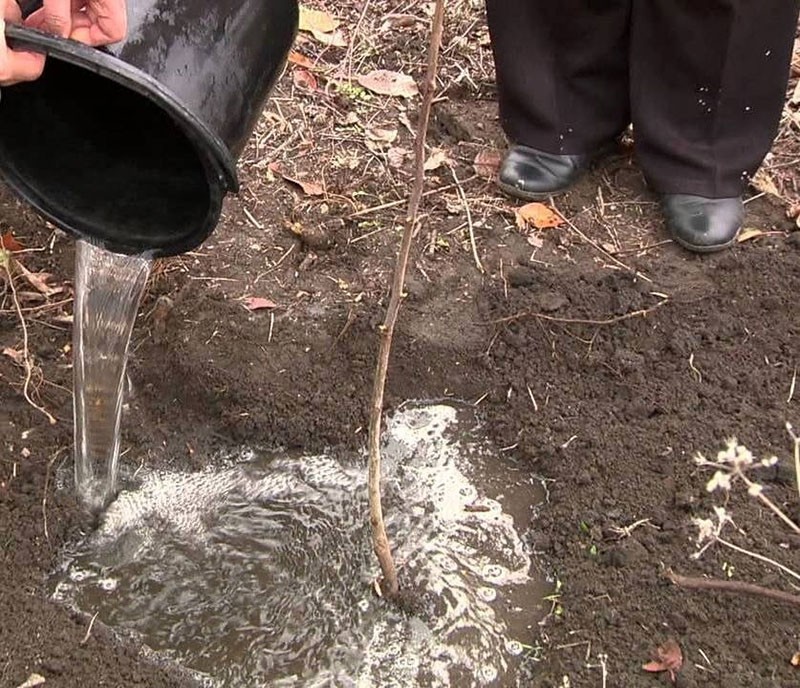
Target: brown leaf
{"x":764,"y":183}
{"x":397,"y":156}
{"x":300,"y":60}
{"x":316,"y":20}
{"x":257,"y":303}
{"x":38,"y":280}
{"x":382,"y":135}
{"x":749,"y":233}
{"x":437,"y":158}
{"x":304,"y":78}
{"x":15,"y":355}
{"x":309,"y":187}
{"x":335,"y":39}
{"x":538,"y":215}
{"x":667,"y":657}
{"x":9,"y":243}
{"x":487,"y":162}
{"x":389,"y":83}
{"x":400,"y":21}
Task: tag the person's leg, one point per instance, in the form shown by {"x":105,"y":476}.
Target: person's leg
{"x":708,"y":83}
{"x":562,"y":77}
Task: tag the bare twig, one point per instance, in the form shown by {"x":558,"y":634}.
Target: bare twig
{"x":767,"y":502}
{"x":89,"y":630}
{"x":5,"y":263}
{"x":740,"y":587}
{"x":470,"y":226}
{"x":754,"y":555}
{"x":394,"y":204}
{"x":380,"y":541}
{"x":599,"y":248}
{"x":578,"y":321}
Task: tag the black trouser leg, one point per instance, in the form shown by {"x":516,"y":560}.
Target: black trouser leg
{"x":562,"y":71}
{"x":708,"y":80}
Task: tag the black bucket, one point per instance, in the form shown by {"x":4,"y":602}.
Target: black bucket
{"x":133,"y":147}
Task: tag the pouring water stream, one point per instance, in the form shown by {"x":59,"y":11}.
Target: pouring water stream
{"x":108,"y":289}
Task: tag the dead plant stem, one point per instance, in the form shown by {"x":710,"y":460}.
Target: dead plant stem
{"x":470,"y":226}
{"x":714,"y":584}
{"x":394,"y":204}
{"x":5,"y":261}
{"x":380,"y":541}
{"x":774,"y":508}
{"x":756,"y":555}
{"x":579,"y":321}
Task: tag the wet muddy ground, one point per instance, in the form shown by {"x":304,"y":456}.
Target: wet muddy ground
{"x":598,"y":354}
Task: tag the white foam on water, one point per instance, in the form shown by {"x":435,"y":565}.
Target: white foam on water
{"x":260,"y":574}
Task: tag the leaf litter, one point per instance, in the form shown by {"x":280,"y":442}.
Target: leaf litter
{"x":667,"y":657}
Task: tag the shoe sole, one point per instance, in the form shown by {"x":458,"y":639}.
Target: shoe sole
{"x":516,"y":192}
{"x":602,"y":155}
{"x":716,"y":248}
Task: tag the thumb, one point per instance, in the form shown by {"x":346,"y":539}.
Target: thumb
{"x":17,"y":66}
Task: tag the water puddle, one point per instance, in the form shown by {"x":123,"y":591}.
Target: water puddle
{"x":108,"y":288}
{"x":258,"y":573}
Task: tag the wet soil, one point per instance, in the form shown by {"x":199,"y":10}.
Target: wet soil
{"x":601,"y":356}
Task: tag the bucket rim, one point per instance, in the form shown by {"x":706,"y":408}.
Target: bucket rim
{"x":105,"y":64}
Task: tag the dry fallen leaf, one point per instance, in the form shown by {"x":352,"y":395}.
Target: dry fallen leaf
{"x":397,"y":156}
{"x":487,"y":162}
{"x":309,"y":187}
{"x":400,"y":21}
{"x":750,"y":233}
{"x":437,"y":158}
{"x":387,"y":83}
{"x":335,"y":39}
{"x":32,"y":681}
{"x":795,"y":659}
{"x":9,"y":243}
{"x":38,"y":280}
{"x":764,"y":183}
{"x":15,"y":355}
{"x":668,"y":657}
{"x":382,"y":135}
{"x":316,"y":20}
{"x":304,"y":78}
{"x":300,"y":60}
{"x":537,"y":215}
{"x":257,"y":303}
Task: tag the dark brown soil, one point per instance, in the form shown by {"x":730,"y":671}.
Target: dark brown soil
{"x":609,"y":409}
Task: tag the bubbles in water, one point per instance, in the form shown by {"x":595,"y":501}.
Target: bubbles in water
{"x":514,"y":647}
{"x":260,"y":574}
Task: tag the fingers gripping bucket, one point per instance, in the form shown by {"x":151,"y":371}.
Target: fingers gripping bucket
{"x":134,"y":147}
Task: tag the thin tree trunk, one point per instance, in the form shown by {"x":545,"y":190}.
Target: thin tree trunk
{"x":380,"y":541}
{"x":716,"y":585}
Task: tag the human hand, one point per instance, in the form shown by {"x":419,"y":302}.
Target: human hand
{"x":16,"y":66}
{"x":94,"y":22}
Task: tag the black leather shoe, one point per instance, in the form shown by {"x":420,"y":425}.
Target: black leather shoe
{"x":533,"y":175}
{"x":702,"y":224}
